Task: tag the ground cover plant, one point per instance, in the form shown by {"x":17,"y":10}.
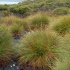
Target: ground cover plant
{"x":35,"y":35}
{"x":6,"y":50}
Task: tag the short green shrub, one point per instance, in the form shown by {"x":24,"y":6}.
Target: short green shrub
{"x":4,"y":7}
{"x":20,"y":9}
{"x":61,"y":11}
{"x":6,"y":50}
{"x":40,"y":49}
{"x":63,"y":26}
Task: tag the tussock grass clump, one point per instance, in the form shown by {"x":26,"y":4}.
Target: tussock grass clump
{"x":65,"y":64}
{"x":62,"y":65}
{"x":5,"y":46}
{"x":39,"y":20}
{"x":63,"y":26}
{"x":8,"y":20}
{"x":36,"y":21}
{"x":40,"y":49}
{"x":67,"y":41}
{"x":15,"y":24}
{"x":16,"y":30}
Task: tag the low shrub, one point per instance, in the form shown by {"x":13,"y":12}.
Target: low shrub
{"x":20,"y":9}
{"x":61,"y":11}
{"x":4,"y":7}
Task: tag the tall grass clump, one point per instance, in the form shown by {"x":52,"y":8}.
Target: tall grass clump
{"x":14,"y":23}
{"x":17,"y":30}
{"x":5,"y":46}
{"x":39,"y":20}
{"x":65,"y":64}
{"x":62,"y":65}
{"x":63,"y":26}
{"x":67,"y":41}
{"x":9,"y":20}
{"x":40,"y":49}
